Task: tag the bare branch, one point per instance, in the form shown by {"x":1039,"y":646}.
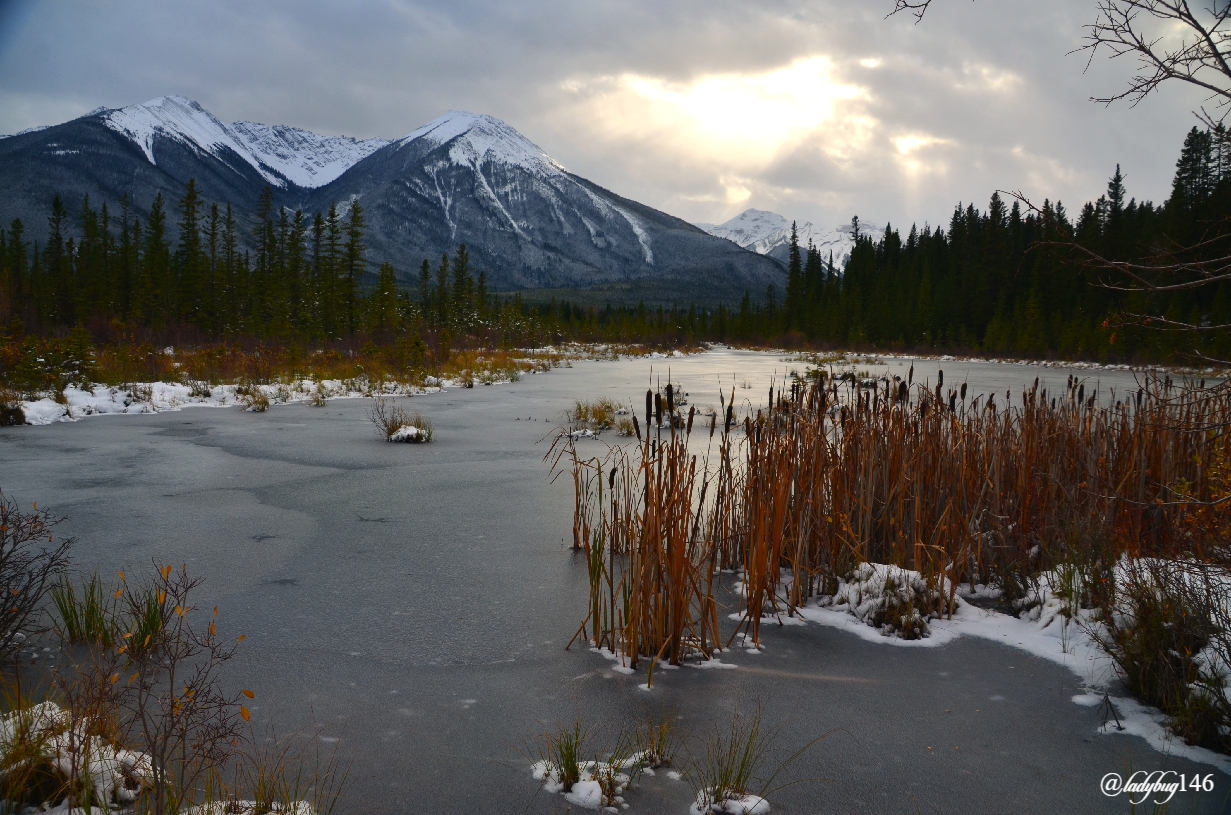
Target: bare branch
{"x":1170,"y":41}
{"x":917,"y":8}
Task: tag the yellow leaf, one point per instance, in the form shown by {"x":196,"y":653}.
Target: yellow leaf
{"x":127,"y":634}
{"x":118,"y":592}
{"x":121,"y":574}
{"x":211,"y":629}
{"x":147,"y":641}
{"x":162,"y":596}
{"x":241,"y":637}
{"x":243,"y":711}
{"x":249,"y":694}
{"x":179,"y":611}
{"x":115,"y":678}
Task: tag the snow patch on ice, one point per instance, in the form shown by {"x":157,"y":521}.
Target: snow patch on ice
{"x":730,"y":804}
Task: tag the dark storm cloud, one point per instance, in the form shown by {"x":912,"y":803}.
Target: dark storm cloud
{"x":977,"y":97}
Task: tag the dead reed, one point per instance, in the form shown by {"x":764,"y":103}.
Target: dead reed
{"x":991,"y":488}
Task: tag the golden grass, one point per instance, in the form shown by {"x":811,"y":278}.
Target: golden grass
{"x":987,"y":489}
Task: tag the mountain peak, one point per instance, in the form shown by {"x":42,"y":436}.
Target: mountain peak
{"x":476,"y":138}
{"x":768,"y":233}
{"x":277,"y":152}
{"x":174,"y":117}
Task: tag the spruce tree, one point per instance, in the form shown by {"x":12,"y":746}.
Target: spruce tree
{"x":425,"y":284}
{"x":794,"y":280}
{"x":190,"y":259}
{"x":355,"y":251}
{"x":442,"y":290}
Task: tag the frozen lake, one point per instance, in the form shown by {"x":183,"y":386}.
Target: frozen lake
{"x":421,"y":597}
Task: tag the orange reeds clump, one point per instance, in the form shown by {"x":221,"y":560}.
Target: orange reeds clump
{"x":988,"y":489}
{"x":638,"y":518}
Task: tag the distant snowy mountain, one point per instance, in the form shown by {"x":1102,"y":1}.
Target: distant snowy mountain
{"x":768,"y":233}
{"x":278,"y":153}
{"x":749,"y":227}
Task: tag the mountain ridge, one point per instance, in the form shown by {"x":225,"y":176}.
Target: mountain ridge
{"x":462,"y":177}
{"x":768,"y":233}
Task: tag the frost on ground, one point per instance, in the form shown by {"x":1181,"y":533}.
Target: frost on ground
{"x":116,"y":775}
{"x":156,"y":397}
{"x":898,"y":602}
{"x":601,"y":784}
{"x":406,"y":433}
{"x":237,"y":807}
{"x":731,"y":804}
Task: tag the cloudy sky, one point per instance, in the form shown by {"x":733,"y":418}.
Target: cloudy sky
{"x":817,"y":110}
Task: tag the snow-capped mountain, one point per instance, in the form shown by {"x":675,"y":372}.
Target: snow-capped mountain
{"x":749,"y":227}
{"x":768,"y":233}
{"x":278,"y":153}
{"x":476,"y":138}
{"x":463,"y":177}
{"x":301,"y":156}
{"x":528,"y":221}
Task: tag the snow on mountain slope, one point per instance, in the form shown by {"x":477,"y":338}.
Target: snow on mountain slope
{"x":305,"y":158}
{"x":478,"y":138}
{"x":277,"y":152}
{"x":181,"y":119}
{"x":768,"y":233}
{"x":749,"y":226}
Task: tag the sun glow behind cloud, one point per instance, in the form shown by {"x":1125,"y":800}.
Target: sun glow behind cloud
{"x":757,"y":114}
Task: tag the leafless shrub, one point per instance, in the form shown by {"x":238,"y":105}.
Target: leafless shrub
{"x":32,"y":560}
{"x":395,"y":423}
{"x":10,"y":409}
{"x":252,"y":397}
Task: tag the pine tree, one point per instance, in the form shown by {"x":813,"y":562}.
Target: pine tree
{"x":156,"y":268}
{"x":355,"y":251}
{"x":189,"y":257}
{"x":794,"y":278}
{"x":442,"y":290}
{"x":425,"y":284}
{"x":461,"y":283}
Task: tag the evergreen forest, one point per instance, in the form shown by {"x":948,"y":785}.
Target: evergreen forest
{"x":1005,"y":281}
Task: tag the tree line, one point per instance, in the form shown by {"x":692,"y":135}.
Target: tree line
{"x":285,"y":275}
{"x":999,"y":281}
{"x":1007,"y":281}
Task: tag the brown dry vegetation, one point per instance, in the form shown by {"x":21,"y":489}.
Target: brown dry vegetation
{"x":991,"y":489}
